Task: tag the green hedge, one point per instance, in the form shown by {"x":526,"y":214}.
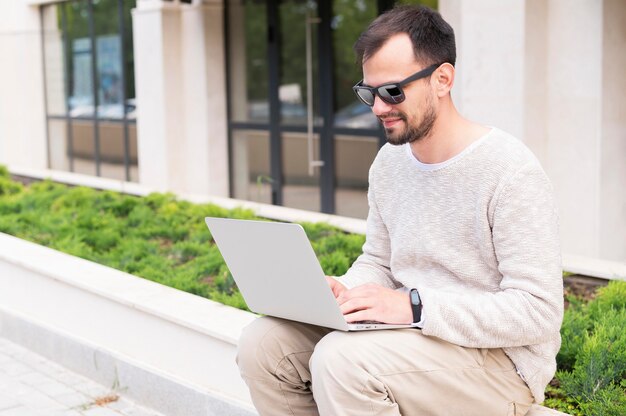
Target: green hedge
{"x":591,"y":379}
{"x":165,"y":240}
{"x":156,"y":237}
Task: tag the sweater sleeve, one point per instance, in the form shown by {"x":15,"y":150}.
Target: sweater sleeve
{"x":528,"y":307}
{"x":373,"y":265}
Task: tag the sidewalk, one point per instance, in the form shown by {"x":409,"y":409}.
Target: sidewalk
{"x":31,"y":385}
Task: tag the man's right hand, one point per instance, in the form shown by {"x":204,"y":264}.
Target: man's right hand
{"x":335,"y":286}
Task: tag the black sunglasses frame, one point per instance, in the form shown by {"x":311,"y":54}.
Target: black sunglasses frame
{"x":392,"y":99}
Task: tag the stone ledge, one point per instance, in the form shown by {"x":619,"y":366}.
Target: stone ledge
{"x":538,"y":410}
{"x":99,"y":321}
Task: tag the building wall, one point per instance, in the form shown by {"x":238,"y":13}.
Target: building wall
{"x":22,"y":114}
{"x":612,"y":203}
{"x":550,"y":72}
{"x":181,"y":92}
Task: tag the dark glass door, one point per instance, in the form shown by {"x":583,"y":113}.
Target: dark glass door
{"x":298,"y":136}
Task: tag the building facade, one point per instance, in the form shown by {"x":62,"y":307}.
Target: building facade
{"x":252,"y":99}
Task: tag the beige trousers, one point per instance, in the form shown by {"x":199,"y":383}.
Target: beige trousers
{"x":298,"y":369}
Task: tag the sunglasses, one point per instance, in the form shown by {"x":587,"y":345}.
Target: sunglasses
{"x":390,"y":93}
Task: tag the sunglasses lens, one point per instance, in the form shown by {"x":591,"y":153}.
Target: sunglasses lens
{"x":391,"y":93}
{"x":365,"y":95}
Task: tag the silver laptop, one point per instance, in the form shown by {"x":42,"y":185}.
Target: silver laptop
{"x":278,"y":273}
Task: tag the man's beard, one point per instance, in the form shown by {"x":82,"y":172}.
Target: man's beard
{"x":411,"y":133}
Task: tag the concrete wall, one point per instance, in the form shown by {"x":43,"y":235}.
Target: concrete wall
{"x":551,"y":73}
{"x":181,"y":96}
{"x":22,"y":115}
{"x":612,"y":201}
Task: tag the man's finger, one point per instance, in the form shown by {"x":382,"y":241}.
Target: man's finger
{"x":355,"y":304}
{"x":362,"y":315}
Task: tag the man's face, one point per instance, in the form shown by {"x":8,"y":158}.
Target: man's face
{"x":414,"y":118}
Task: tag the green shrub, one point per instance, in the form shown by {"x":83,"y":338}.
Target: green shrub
{"x":592,"y":359}
{"x":8,"y":187}
{"x":156,"y":237}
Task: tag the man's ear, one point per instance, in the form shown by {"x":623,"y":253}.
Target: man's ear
{"x":443,"y":79}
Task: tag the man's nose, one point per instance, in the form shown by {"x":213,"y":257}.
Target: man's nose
{"x":380,"y":107}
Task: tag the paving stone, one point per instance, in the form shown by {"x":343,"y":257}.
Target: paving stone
{"x":66,"y":413}
{"x":31,"y":385}
{"x":121,"y":405}
{"x":70,"y":379}
{"x":14,"y":369}
{"x":39,"y":401}
{"x":5,"y":358}
{"x":54,"y":389}
{"x":92,"y":389}
{"x":139,"y":411}
{"x":20,"y":411}
{"x":7,"y":402}
{"x":34,"y":379}
{"x":18,"y":389}
{"x":101,"y":411}
{"x":5,"y":381}
{"x":75,"y":400}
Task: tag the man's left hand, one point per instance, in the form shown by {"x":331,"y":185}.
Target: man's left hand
{"x":372,"y":302}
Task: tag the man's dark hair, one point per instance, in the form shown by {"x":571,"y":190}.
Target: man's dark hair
{"x":432,"y":37}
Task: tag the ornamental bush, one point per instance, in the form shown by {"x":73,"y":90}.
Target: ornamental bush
{"x":591,"y":379}
{"x":156,"y":237}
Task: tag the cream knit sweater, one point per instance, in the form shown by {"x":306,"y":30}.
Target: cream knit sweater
{"x":478,"y":237}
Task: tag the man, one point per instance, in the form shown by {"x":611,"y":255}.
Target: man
{"x":462,"y":240}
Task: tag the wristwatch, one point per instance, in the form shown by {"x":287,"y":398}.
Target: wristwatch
{"x":416,"y":305}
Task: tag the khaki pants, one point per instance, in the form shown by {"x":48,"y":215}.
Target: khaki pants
{"x":298,"y":369}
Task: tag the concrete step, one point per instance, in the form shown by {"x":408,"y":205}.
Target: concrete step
{"x":538,"y":410}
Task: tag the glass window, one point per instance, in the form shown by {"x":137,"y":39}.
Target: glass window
{"x":90,"y":88}
{"x":247,"y":22}
{"x":354,"y":155}
{"x":83,"y":147}
{"x":298,"y":42}
{"x":108,"y":59}
{"x":350,"y":18}
{"x":80,"y":74}
{"x":54,"y":60}
{"x":59,"y":144}
{"x":251,"y":166}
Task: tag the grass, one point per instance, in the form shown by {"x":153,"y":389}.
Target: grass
{"x":156,"y":237}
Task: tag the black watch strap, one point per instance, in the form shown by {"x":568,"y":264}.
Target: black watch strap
{"x":416,"y":305}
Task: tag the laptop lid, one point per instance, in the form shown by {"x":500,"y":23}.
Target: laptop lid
{"x":278,"y":274}
{"x":276,"y":270}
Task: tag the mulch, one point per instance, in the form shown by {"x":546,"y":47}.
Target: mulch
{"x":582,"y":286}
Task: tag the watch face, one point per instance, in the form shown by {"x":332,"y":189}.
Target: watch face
{"x":415,"y":297}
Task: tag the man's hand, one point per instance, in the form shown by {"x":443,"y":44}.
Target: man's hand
{"x":372,"y":302}
{"x":335,"y":286}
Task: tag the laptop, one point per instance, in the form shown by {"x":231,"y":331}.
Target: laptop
{"x":278,"y":273}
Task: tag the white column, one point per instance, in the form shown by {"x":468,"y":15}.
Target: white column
{"x":613,"y":139}
{"x":204,"y":99}
{"x":181,"y":95}
{"x":535,"y":87}
{"x":574,"y":85}
{"x":238,"y":98}
{"x":490,"y":60}
{"x":156,"y":33}
{"x":22,"y":107}
{"x":551,"y":73}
